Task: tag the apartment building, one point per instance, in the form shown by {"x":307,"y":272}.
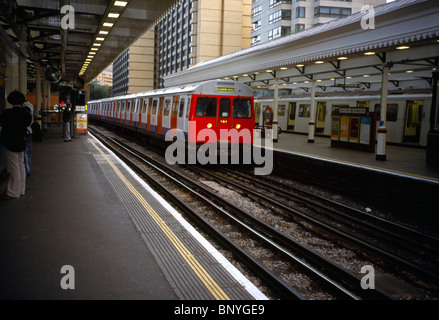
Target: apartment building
{"x":190,"y":32}
{"x":272,"y":19}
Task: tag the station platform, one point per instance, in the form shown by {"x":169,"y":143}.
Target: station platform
{"x":87,"y":212}
{"x":400,"y":160}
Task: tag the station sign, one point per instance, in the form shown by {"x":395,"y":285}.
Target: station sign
{"x":81,"y":123}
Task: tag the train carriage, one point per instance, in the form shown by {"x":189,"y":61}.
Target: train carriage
{"x":407,"y":116}
{"x":225,"y":108}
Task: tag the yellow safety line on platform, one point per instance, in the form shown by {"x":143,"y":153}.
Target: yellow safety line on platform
{"x":199,"y":270}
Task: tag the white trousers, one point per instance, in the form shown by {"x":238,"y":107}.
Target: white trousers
{"x":67,"y":131}
{"x":17,"y":171}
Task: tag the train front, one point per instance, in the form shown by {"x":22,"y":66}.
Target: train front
{"x":222,"y":117}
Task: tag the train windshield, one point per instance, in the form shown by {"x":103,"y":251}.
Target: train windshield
{"x":206,"y":107}
{"x":242,"y":108}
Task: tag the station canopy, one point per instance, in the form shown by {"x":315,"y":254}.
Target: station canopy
{"x":65,"y":33}
{"x":341,"y":55}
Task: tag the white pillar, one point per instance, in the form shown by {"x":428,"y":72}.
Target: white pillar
{"x":44,"y":108}
{"x":23,"y":62}
{"x":275,"y":124}
{"x":312,"y":116}
{"x":23,"y":76}
{"x":382,"y":130}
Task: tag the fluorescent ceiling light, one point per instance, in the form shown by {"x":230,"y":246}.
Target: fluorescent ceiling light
{"x":113,"y":15}
{"x":103,"y":32}
{"x":108,"y":24}
{"x":120,"y":3}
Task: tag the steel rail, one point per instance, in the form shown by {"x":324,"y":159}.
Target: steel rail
{"x":282,"y":289}
{"x":266,"y":233}
{"x":420,"y":271}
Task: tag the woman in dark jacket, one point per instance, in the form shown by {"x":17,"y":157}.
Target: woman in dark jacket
{"x":14,"y":122}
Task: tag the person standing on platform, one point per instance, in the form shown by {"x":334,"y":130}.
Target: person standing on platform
{"x":14,"y":122}
{"x":29,"y":136}
{"x":67,"y":117}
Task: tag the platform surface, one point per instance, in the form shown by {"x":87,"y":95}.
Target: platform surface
{"x":402,"y":160}
{"x":78,"y":213}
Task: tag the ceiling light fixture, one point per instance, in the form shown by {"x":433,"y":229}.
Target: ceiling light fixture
{"x":120,"y":3}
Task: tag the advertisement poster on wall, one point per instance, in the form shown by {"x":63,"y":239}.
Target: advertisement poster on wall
{"x":344,"y":128}
{"x":335,"y":128}
{"x":365,"y":130}
{"x":354,"y":133}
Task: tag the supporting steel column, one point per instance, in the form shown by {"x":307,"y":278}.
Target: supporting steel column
{"x":382,"y":130}
{"x":23,"y":62}
{"x":275,"y":108}
{"x":312,"y":117}
{"x":38,"y":90}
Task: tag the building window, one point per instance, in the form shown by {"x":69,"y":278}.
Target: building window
{"x":256,"y":39}
{"x":256,"y":25}
{"x":274,"y":33}
{"x":274,"y":17}
{"x":256,"y":11}
{"x":299,"y":27}
{"x":332,"y":12}
{"x":300,"y":12}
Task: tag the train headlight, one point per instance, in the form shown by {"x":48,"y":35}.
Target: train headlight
{"x":209,"y":125}
{"x":238,"y":126}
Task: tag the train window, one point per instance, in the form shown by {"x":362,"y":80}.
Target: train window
{"x":188,"y":108}
{"x":392,"y":111}
{"x":118,"y":106}
{"x":242,"y":108}
{"x":224,"y":107}
{"x":206,"y":107}
{"x":304,"y":110}
{"x":175,"y":107}
{"x":167,"y":107}
{"x":181,"y":108}
{"x":281,"y":110}
{"x":154,"y":107}
{"x":145,"y":104}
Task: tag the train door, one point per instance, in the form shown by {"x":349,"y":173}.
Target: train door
{"x":142,"y":112}
{"x":320,"y":116}
{"x":257,"y":113}
{"x":413,"y":120}
{"x":174,"y":112}
{"x":181,"y":119}
{"x":118,"y":110}
{"x":123,"y":112}
{"x":149,"y":112}
{"x":281,"y":117}
{"x":225,"y":120}
{"x":160,"y":115}
{"x":129,"y":113}
{"x":291,"y":115}
{"x":166,"y":119}
{"x":155,"y":107}
{"x":107,"y":110}
{"x":113,"y":110}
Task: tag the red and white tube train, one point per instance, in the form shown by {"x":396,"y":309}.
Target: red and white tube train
{"x":220,"y":106}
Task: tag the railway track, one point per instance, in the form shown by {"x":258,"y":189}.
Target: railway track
{"x":322,"y":275}
{"x":380,"y":237}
